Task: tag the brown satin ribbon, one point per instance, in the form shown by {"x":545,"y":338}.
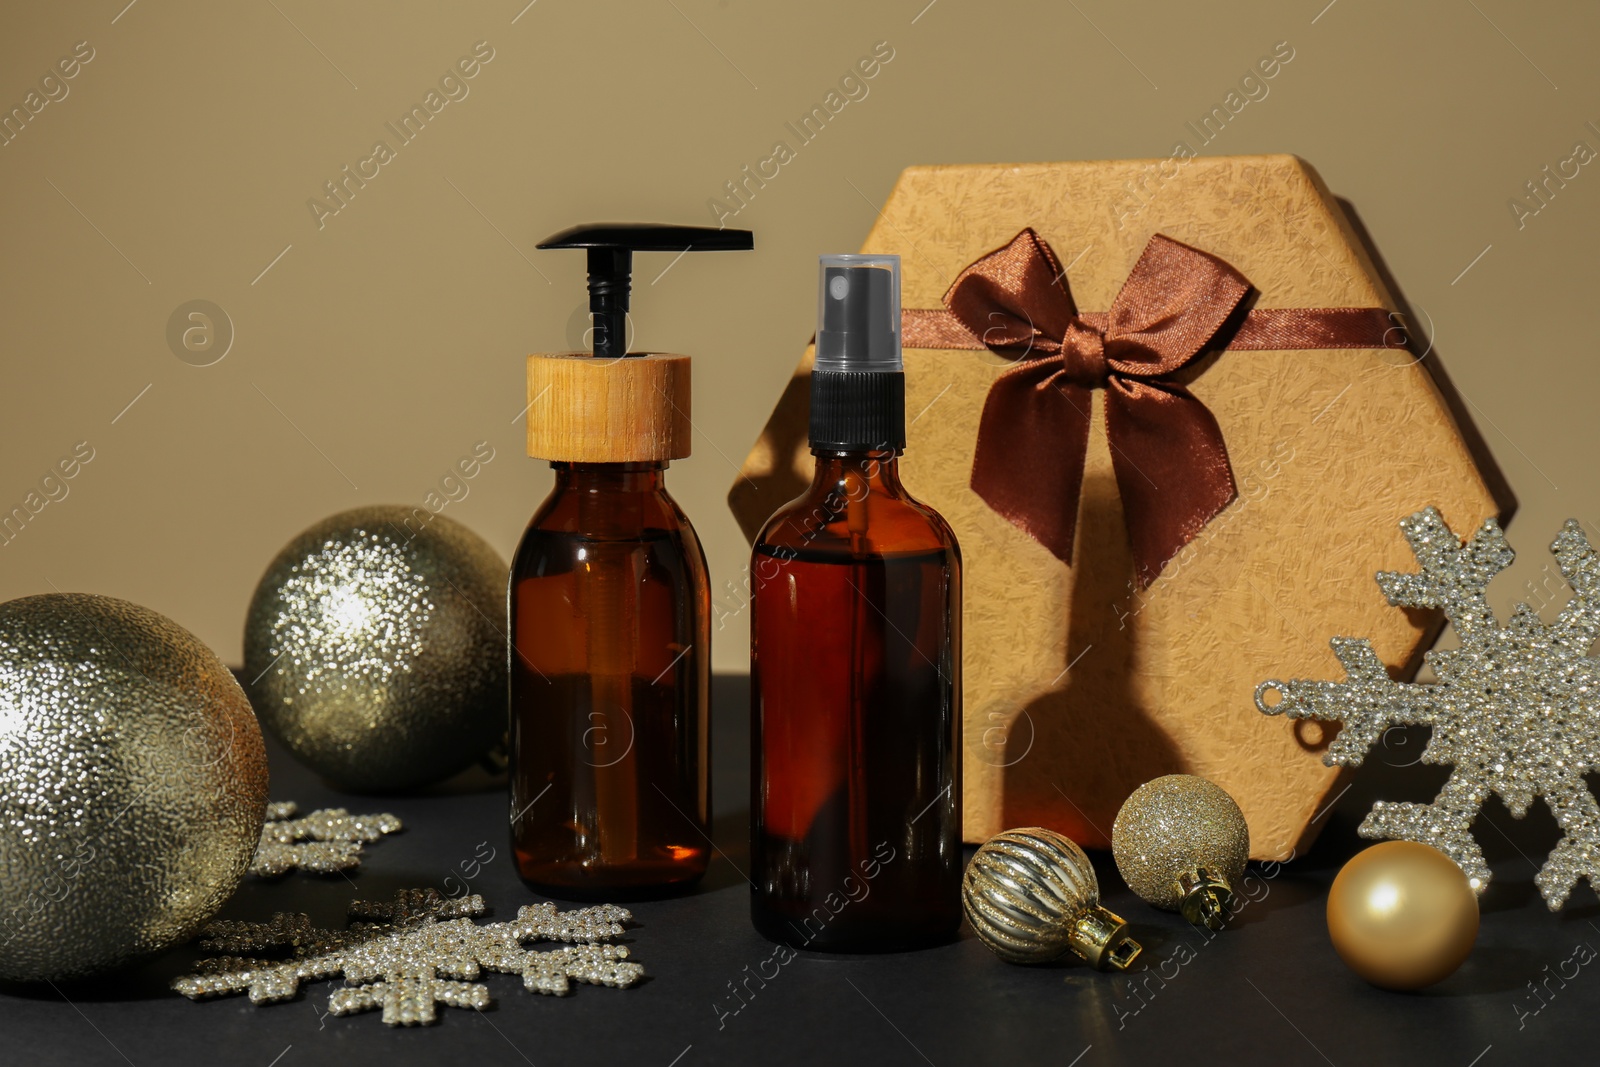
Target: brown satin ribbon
{"x":1167,"y":451}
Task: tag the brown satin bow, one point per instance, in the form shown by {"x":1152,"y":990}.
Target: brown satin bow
{"x":1167,"y":450}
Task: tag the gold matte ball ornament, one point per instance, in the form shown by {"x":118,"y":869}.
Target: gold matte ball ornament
{"x":1402,"y":915}
{"x":375,"y":648}
{"x":1181,"y":844}
{"x":133,"y":781}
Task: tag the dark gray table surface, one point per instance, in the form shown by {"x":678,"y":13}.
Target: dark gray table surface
{"x":1267,"y":990}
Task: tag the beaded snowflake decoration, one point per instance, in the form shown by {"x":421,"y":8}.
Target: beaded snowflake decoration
{"x":1516,"y":710}
{"x":412,"y":954}
{"x":327,"y":841}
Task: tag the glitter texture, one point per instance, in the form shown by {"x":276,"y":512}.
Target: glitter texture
{"x":132,"y":783}
{"x":414,"y":953}
{"x":1174,"y":825}
{"x":1516,"y":711}
{"x":376,"y":647}
{"x":325,"y":842}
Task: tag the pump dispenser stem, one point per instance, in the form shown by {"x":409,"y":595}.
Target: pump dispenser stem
{"x":610,"y":281}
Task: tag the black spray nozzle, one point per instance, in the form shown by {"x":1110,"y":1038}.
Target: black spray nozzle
{"x":611,"y":247}
{"x":858,"y":313}
{"x":858,"y":385}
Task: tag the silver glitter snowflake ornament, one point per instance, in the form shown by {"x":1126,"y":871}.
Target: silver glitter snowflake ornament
{"x":327,"y":841}
{"x":412,"y":954}
{"x":1516,"y":710}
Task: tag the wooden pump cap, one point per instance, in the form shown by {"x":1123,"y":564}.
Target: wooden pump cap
{"x":587,"y":410}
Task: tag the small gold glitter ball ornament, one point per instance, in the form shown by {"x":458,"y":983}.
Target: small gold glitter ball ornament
{"x":376,"y":651}
{"x":133,"y":782}
{"x":1181,"y":844}
{"x":1031,"y":896}
{"x":1402,"y":915}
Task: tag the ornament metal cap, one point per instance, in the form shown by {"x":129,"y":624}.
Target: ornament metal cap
{"x":1204,"y":897}
{"x":1101,"y":938}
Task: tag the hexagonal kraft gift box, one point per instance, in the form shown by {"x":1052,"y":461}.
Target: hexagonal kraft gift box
{"x":1081,"y":681}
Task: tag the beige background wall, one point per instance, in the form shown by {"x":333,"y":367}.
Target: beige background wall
{"x":374,"y":347}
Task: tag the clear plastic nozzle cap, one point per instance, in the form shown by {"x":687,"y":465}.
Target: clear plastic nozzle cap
{"x":858,"y":313}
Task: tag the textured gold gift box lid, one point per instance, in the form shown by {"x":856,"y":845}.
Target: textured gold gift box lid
{"x":587,"y":410}
{"x":1077,"y":687}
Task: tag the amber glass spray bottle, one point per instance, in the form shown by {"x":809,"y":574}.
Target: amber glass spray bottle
{"x":609,"y":603}
{"x":855,"y":661}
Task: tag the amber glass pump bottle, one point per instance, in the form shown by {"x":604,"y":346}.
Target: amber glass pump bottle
{"x":855,"y":661}
{"x":609,"y":603}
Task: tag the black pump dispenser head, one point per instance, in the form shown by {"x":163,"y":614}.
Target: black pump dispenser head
{"x":611,"y":247}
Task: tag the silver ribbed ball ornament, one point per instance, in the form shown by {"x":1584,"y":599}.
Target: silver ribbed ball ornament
{"x":375,"y":648}
{"x":1032,"y":896}
{"x":1181,"y":844}
{"x":133,"y":782}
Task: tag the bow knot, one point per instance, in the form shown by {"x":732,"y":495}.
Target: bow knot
{"x":1083,"y":356}
{"x":1167,"y":451}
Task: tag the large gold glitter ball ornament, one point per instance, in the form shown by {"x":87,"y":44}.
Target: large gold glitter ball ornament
{"x":133,"y":783}
{"x":1402,"y":915}
{"x":1031,"y":896}
{"x":375,"y":648}
{"x":1181,"y":844}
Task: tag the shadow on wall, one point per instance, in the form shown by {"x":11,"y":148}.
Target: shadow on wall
{"x":1072,"y":755}
{"x":787,"y":434}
